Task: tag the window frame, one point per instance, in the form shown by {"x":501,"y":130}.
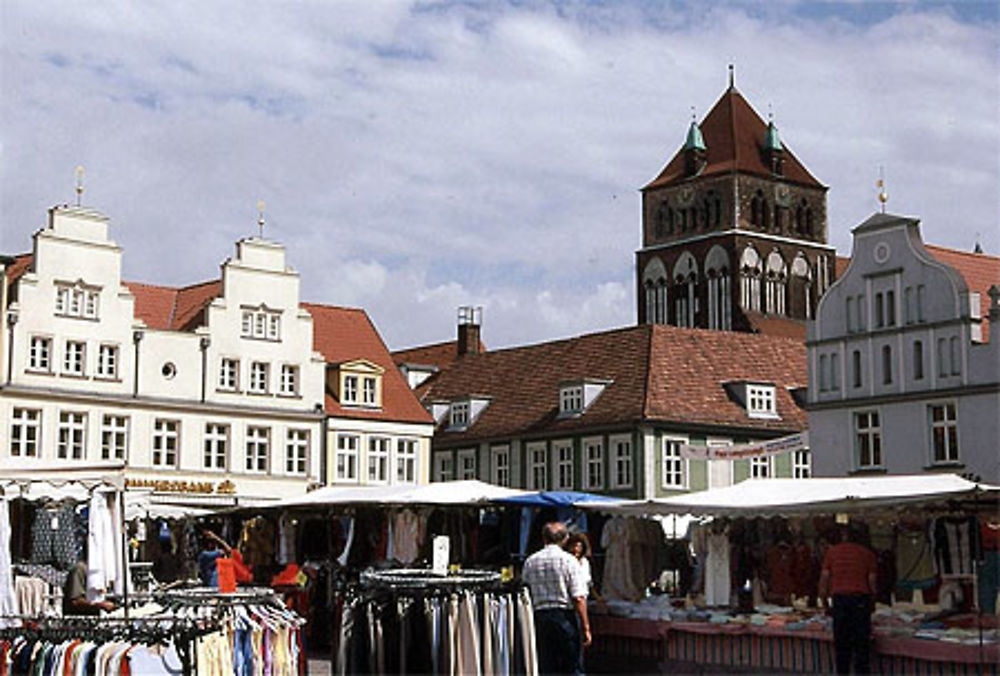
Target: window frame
{"x":114,"y":429}
{"x":571,"y":400}
{"x":349,"y":389}
{"x":802,"y":470}
{"x":681,"y":465}
{"x":501,"y":473}
{"x":537,"y":456}
{"x":108,"y":359}
{"x":260,"y":376}
{"x":260,"y":323}
{"x":166,"y":442}
{"x":257,"y":449}
{"x":405,"y":461}
{"x":74,"y":358}
{"x":563,"y":466}
{"x":288,"y":380}
{"x":444,"y":466}
{"x":379,"y":450}
{"x":351,"y":458}
{"x":591,"y":462}
{"x":40,"y":361}
{"x":297,"y":442}
{"x":459,"y":469}
{"x":71,"y":435}
{"x":77,"y":301}
{"x":762,"y":400}
{"x":871,"y":432}
{"x":213,"y":442}
{"x":620,"y":462}
{"x":369,"y":391}
{"x":459,"y":414}
{"x":20,"y":438}
{"x":758,"y":463}
{"x":949,"y":438}
{"x":229,"y":374}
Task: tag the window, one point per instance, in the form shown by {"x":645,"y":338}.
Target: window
{"x":258,"y":447}
{"x":378,"y":460}
{"x":887,"y":365}
{"x":890,"y":308}
{"x":107,"y":361}
{"x":537,"y":467}
{"x":920,"y":302}
{"x":802,"y":464}
{"x":406,"y":461}
{"x":501,"y":465}
{"x":942,"y":355}
{"x":879,"y":312}
{"x":216,"y":446}
{"x":24,"y":428}
{"x":944,"y":432}
{"x":868,"y":439}
{"x":114,"y":437}
{"x":674,"y":467}
{"x":289,"y":385}
{"x":350,"y":390}
{"x":459,"y":414}
{"x":909,"y":310}
{"x":918,"y":360}
{"x":258,"y":377}
{"x":571,"y":399}
{"x":296,"y":451}
{"x":74,"y":357}
{"x":443,"y":466}
{"x":229,"y":374}
{"x":165,"y":438}
{"x":621,"y":455}
{"x":824,"y":384}
{"x":347,"y":457}
{"x":760,"y":468}
{"x":77,"y":301}
{"x":72,"y":435}
{"x":856,"y":368}
{"x":260,"y":324}
{"x":835,"y":372}
{"x":956,"y":358}
{"x":368,"y":391}
{"x":760,"y":401}
{"x":562,"y":453}
{"x":466,"y":464}
{"x":40,"y":354}
{"x":859,"y":305}
{"x":594,"y":463}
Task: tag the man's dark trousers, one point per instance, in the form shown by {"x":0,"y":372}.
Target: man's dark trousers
{"x":557,"y":637}
{"x":852,"y":632}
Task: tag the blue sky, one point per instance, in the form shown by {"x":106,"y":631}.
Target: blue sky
{"x":415,"y":157}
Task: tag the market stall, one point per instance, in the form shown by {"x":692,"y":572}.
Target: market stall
{"x":754,"y":609}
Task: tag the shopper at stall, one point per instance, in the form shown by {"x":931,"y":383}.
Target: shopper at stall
{"x":559,"y":596}
{"x":213,"y":548}
{"x":578,"y":545}
{"x":75,"y":592}
{"x":849,"y":575}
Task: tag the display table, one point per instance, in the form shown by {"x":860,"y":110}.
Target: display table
{"x":751,"y":647}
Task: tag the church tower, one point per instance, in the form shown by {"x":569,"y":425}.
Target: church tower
{"x":733,"y":230}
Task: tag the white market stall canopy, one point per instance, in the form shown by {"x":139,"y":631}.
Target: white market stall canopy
{"x":756,"y":497}
{"x":469,"y":492}
{"x":58,"y":482}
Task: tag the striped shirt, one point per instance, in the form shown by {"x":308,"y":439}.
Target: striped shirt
{"x":849,"y":565}
{"x":555,"y":578}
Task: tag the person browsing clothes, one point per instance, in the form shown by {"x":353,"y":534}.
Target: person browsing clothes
{"x":213,"y":548}
{"x":559,"y":596}
{"x":849,"y":575}
{"x":75,"y":592}
{"x":579,"y":546}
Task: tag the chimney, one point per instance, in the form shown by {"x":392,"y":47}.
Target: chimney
{"x":469,"y":319}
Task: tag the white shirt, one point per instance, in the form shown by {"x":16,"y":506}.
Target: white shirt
{"x":555,"y":578}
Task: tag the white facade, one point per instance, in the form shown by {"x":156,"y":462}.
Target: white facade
{"x":900,"y":381}
{"x":235,"y":405}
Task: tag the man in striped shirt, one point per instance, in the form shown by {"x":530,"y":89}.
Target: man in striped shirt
{"x":559,"y":596}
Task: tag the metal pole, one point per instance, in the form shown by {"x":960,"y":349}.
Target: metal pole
{"x":125,"y":568}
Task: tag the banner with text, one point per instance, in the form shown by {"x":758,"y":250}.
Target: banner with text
{"x":789,"y":444}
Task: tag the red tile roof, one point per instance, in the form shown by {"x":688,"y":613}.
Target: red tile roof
{"x":20,"y":265}
{"x":173,"y":309}
{"x":658,"y":373}
{"x":437,"y":354}
{"x":781,"y":327}
{"x":734,"y":136}
{"x":840,"y":264}
{"x":980,"y":271}
{"x":344,"y":334}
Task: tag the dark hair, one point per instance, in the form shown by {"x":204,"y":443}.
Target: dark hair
{"x":582,"y":539}
{"x":554,"y":533}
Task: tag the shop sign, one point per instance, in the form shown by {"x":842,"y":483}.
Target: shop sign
{"x":789,"y":444}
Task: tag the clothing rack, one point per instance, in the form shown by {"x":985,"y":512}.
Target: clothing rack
{"x":424,"y":581}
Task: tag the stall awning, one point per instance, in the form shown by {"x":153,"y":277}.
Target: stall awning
{"x":440,"y":493}
{"x":759,"y":497}
{"x":57,"y":482}
{"x":554,"y":499}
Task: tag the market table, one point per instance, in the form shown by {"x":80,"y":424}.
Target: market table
{"x":751,"y":647}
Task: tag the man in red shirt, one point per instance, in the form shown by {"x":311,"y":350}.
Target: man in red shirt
{"x":849,"y":573}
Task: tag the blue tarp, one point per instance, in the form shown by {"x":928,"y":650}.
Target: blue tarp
{"x":553,"y":499}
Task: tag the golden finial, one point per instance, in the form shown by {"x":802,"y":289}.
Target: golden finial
{"x":79,"y":183}
{"x":260,"y":217}
{"x":883,"y":196}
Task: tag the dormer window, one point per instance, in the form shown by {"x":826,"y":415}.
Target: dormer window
{"x":460,"y":414}
{"x":77,"y":300}
{"x":360,"y":384}
{"x":571,"y":399}
{"x":260,"y":323}
{"x":576,"y":397}
{"x":760,"y":401}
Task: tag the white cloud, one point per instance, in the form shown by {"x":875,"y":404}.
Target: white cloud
{"x":419,"y":157}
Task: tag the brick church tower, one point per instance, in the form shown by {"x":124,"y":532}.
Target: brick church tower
{"x":733,"y":230}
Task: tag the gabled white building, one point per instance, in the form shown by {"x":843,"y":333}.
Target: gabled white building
{"x":207,"y":393}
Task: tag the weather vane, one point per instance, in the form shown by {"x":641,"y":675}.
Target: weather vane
{"x":732,"y":75}
{"x":79,"y":183}
{"x":260,"y":217}
{"x":694,"y":117}
{"x":883,"y":196}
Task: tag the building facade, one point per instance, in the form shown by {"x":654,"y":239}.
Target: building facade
{"x":734,"y":230}
{"x":903,"y":377}
{"x":609,"y":412}
{"x":211,"y":393}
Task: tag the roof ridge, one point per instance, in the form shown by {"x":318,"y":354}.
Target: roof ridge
{"x":962,"y":252}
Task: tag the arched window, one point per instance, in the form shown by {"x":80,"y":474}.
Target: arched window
{"x":685,"y":283}
{"x":717,"y":274}
{"x":800,"y":218}
{"x":775,"y":276}
{"x":757,"y":206}
{"x":661,"y":220}
{"x":654,"y":281}
{"x":800,"y":291}
{"x":750,"y":272}
{"x":809,"y":222}
{"x":886,"y":365}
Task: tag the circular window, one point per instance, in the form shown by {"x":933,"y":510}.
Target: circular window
{"x":169,"y":370}
{"x":881,"y":253}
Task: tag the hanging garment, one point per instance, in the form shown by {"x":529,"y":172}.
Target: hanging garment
{"x":53,"y":537}
{"x":103,"y":556}
{"x":618,"y":583}
{"x":286,"y":539}
{"x":956,"y":544}
{"x":347,"y":525}
{"x":408,"y":532}
{"x":487,"y":638}
{"x":914,"y":562}
{"x":468,"y":655}
{"x":718,"y":581}
{"x":526,"y":618}
{"x":8,"y":600}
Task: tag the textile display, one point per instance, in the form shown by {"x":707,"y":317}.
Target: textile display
{"x":54,"y":536}
{"x":8,"y":599}
{"x":48,"y":658}
{"x":105,"y":572}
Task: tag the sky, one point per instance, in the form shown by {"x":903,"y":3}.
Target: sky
{"x":415,"y":157}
